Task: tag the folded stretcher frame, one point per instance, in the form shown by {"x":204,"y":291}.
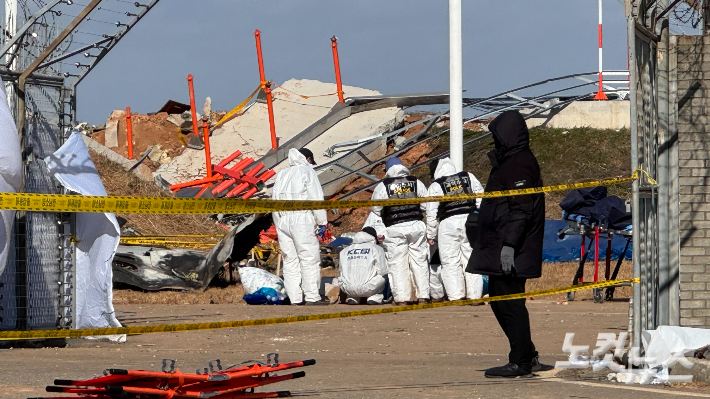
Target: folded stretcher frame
{"x":595,"y":234}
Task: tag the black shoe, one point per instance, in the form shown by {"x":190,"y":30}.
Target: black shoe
{"x":536,"y":366}
{"x":510,"y":370}
{"x":373,"y":303}
{"x":322,"y":302}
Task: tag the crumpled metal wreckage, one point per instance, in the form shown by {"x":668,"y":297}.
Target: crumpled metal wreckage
{"x":154,"y":268}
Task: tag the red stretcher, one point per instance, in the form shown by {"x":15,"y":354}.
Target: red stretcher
{"x":595,"y":235}
{"x":231,"y":383}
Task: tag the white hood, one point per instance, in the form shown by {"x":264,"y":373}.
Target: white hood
{"x":295,"y":158}
{"x":397,"y":171}
{"x":444,"y":168}
{"x":363,"y":238}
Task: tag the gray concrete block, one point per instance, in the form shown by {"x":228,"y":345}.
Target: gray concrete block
{"x":111,"y":134}
{"x":700,"y":369}
{"x":692,"y":251}
{"x":689,"y":269}
{"x":692,"y":321}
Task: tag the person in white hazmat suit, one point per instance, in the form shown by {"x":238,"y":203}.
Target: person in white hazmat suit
{"x":297,"y":229}
{"x":446,"y":224}
{"x":362,"y":269}
{"x":405,"y":242}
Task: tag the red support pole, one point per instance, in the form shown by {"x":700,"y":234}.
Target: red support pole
{"x":192,"y":105}
{"x":267,"y":89}
{"x":208,"y":159}
{"x":596,"y":254}
{"x":129,"y":132}
{"x":336,"y":61}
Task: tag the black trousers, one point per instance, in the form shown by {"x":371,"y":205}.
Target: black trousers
{"x":513,"y":318}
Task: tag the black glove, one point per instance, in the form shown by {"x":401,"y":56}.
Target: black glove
{"x":507,"y":260}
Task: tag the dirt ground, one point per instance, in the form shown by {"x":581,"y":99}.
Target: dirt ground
{"x":435,"y":353}
{"x":554,"y":275}
{"x":147,"y":131}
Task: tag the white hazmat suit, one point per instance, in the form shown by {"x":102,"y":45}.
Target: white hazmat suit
{"x":362,"y":269}
{"x":405,"y":244}
{"x":296,"y":230}
{"x":454,"y":248}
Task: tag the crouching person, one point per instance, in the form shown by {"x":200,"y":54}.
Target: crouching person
{"x":362,"y":269}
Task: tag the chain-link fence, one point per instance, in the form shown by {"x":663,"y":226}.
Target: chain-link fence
{"x":36,"y":286}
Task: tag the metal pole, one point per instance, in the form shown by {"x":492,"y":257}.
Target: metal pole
{"x":129,"y":132}
{"x":208,"y":158}
{"x":336,"y":61}
{"x":191,"y":88}
{"x":662,"y":174}
{"x":455,"y":84}
{"x":11,"y":29}
{"x":631,"y":29}
{"x":267,"y":90}
{"x":600,"y":94}
{"x":40,"y":59}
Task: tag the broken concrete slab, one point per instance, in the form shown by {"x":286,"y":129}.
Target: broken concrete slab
{"x":595,"y":114}
{"x":207,"y":108}
{"x":249,"y":132}
{"x":112,"y":133}
{"x":117,"y":114}
{"x":194,"y":142}
{"x":176,"y":120}
{"x":141,"y":171}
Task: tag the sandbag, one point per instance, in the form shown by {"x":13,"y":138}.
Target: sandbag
{"x":254,"y":278}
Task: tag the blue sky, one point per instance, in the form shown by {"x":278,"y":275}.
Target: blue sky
{"x":394,"y":46}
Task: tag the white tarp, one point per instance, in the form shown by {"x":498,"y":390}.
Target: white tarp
{"x":10,"y":172}
{"x":666,"y":342}
{"x":97,"y":236}
{"x":253,"y":279}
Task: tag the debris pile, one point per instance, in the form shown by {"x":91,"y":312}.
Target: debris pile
{"x":297,"y":105}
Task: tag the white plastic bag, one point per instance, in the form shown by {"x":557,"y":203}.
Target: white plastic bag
{"x":254,"y":278}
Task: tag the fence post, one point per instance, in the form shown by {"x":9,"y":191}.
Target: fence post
{"x":129,"y":132}
{"x":336,"y":61}
{"x":192,"y":105}
{"x":267,"y":89}
{"x":600,"y":94}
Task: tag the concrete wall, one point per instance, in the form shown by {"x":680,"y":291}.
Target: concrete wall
{"x":596,"y":114}
{"x":693,"y":81}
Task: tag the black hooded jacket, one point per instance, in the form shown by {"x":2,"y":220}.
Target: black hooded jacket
{"x":516,"y":221}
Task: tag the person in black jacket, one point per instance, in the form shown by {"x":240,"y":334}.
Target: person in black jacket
{"x":508,"y":242}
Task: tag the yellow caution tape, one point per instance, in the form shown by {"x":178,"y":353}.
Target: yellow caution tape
{"x":169,"y":243}
{"x":237,"y":108}
{"x":170,"y":205}
{"x":46,"y":334}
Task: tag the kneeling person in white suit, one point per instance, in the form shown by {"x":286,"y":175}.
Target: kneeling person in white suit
{"x":362,"y":269}
{"x":450,"y":220}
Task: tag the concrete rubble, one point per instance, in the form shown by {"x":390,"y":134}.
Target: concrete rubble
{"x":249,"y":132}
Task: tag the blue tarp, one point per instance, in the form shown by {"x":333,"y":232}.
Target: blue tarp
{"x":568,"y":249}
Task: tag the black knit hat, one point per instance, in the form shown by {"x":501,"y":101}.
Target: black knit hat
{"x":308,"y":154}
{"x":370,"y":230}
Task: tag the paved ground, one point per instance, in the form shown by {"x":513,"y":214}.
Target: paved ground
{"x":428,"y":353}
